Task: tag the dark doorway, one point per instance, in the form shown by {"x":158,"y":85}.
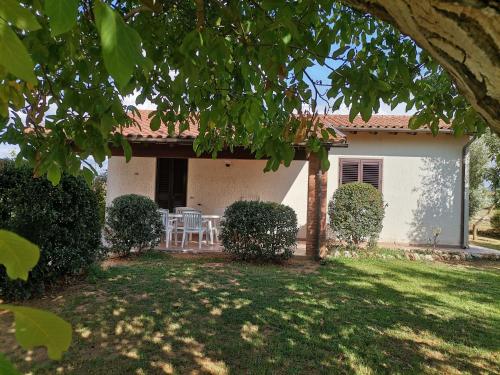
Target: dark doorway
{"x":171,"y":183}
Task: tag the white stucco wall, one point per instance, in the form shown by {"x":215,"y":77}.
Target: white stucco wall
{"x":212,"y":185}
{"x":138,"y":176}
{"x":421,"y":183}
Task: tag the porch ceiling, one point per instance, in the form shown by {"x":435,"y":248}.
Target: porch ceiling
{"x":184,"y":150}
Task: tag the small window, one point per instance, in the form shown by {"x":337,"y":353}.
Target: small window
{"x":361,"y":170}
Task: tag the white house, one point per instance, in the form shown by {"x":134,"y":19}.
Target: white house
{"x":422,"y":177}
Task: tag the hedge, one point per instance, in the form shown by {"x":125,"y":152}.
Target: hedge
{"x":254,"y":230}
{"x":356,"y":211}
{"x":133,"y":222}
{"x":62,"y":220}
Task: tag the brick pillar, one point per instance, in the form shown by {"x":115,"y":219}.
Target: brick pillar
{"x":315,"y":186}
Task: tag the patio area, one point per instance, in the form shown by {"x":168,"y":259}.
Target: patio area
{"x":191,"y":247}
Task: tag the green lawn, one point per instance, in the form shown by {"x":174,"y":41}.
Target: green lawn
{"x":491,"y":243}
{"x":162,"y":314}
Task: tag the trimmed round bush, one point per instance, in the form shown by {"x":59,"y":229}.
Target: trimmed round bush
{"x":495,"y":221}
{"x":133,"y":222}
{"x":356,"y":212}
{"x":255,"y":230}
{"x":62,"y":220}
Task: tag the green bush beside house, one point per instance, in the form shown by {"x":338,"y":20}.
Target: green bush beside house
{"x":132,"y":222}
{"x":356,"y":212}
{"x":62,"y":220}
{"x":263,"y":231}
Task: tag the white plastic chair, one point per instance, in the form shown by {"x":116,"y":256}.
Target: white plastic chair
{"x":169,"y":226}
{"x":180,"y":210}
{"x":193,"y":223}
{"x":180,"y":222}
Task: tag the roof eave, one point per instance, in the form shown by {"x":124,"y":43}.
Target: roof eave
{"x":184,"y":141}
{"x":392,"y":130}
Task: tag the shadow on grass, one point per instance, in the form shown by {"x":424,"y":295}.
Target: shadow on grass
{"x":165,"y":315}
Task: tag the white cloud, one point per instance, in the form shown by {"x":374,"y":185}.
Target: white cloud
{"x":384,"y":109}
{"x":130,"y":100}
{"x":8,"y":151}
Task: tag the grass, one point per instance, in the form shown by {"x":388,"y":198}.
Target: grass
{"x":163,"y":314}
{"x":485,"y":238}
{"x":489,"y":242}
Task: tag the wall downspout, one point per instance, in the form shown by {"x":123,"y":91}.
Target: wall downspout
{"x":464,"y":209}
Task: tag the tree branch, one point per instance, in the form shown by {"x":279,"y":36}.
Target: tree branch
{"x":461,"y":35}
{"x":200,"y":14}
{"x":137,"y":10}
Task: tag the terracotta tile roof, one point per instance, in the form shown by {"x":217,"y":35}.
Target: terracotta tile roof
{"x":340,"y":122}
{"x":386,"y":122}
{"x":143,"y":129}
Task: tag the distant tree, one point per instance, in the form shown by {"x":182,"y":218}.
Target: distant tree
{"x":478,"y":166}
{"x":484,"y":169}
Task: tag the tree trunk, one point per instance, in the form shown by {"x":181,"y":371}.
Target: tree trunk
{"x":476,"y":224}
{"x":462,"y":35}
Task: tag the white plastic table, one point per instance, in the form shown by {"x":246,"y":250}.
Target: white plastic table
{"x":210,"y":219}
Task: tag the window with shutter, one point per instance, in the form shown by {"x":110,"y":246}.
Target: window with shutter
{"x":361,"y":170}
{"x":349,"y":171}
{"x":371,"y":173}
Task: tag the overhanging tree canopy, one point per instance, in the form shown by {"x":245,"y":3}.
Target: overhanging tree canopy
{"x":243,"y":67}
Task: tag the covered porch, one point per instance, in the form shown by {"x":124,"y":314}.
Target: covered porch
{"x":168,"y":171}
{"x":192,"y":247}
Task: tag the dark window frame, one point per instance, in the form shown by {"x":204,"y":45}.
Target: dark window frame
{"x":361,"y":162}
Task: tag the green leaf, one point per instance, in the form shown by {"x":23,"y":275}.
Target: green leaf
{"x":54,"y":174}
{"x":35,"y":327}
{"x":14,"y":56}
{"x":88,"y":175}
{"x":21,"y":17}
{"x":121,"y":45}
{"x":17,"y":254}
{"x":127,"y":150}
{"x":337,"y":103}
{"x":416,"y":121}
{"x":366,"y":112}
{"x":287,"y":38}
{"x":353,"y":112}
{"x":6,"y":367}
{"x":325,"y":164}
{"x":155,"y":123}
{"x":62,"y":15}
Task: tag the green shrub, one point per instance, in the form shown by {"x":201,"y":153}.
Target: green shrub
{"x":254,"y":230}
{"x":99,"y":188}
{"x":356,"y":212}
{"x":62,"y":220}
{"x":495,"y":221}
{"x":133,"y":222}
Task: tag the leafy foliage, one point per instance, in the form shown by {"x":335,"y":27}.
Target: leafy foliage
{"x":133,"y":222}
{"x":243,"y":68}
{"x":62,"y":15}
{"x":254,"y":230}
{"x":35,"y":327}
{"x":479,"y":198}
{"x":63,"y":221}
{"x":356,"y":212}
{"x":18,"y":255}
{"x":6,"y":367}
{"x":484,"y":173}
{"x":99,"y":188}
